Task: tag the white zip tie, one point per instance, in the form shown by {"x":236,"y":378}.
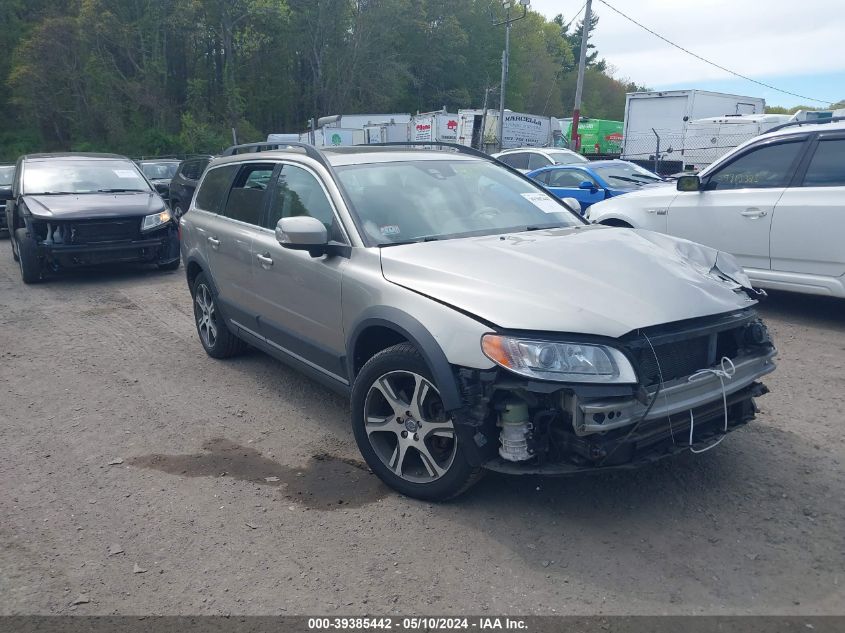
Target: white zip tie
{"x":726,"y":370}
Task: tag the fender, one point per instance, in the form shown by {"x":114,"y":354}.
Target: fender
{"x":195,"y":257}
{"x":417,"y":334}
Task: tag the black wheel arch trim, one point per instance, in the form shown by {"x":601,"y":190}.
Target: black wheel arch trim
{"x":418,"y":335}
{"x":197,"y":259}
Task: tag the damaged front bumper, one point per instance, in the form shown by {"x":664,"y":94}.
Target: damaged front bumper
{"x":77,"y":249}
{"x":525,"y":426}
{"x":602,"y":415}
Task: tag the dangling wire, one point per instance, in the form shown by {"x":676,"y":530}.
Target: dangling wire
{"x":726,"y":371}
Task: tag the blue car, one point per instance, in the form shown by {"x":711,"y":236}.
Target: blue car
{"x":593,"y":182}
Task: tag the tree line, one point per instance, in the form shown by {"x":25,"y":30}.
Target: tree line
{"x":146,"y":77}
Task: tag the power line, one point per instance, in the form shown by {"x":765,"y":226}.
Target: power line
{"x":707,"y":61}
{"x":568,"y":24}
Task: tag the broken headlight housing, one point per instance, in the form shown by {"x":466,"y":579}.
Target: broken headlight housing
{"x":155,"y":220}
{"x":560,"y":361}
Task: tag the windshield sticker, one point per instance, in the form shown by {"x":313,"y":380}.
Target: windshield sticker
{"x":124,"y":173}
{"x":390,"y":229}
{"x":543,"y":202}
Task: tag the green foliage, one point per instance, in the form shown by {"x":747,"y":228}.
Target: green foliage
{"x":156,"y":76}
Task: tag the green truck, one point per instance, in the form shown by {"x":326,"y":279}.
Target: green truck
{"x":598,"y":136}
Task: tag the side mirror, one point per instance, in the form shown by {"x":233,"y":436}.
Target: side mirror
{"x":303,"y":233}
{"x":586,"y":184}
{"x":689,"y":183}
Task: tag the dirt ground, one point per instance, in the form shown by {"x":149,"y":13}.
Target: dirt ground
{"x":144,"y":477}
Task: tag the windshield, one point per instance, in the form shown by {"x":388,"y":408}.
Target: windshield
{"x":82,"y":175}
{"x":414,"y":201}
{"x":565,"y":158}
{"x":624,"y":174}
{"x":7,"y":173}
{"x":159,"y":171}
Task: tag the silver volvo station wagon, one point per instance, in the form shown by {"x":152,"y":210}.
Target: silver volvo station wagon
{"x":476,"y":322}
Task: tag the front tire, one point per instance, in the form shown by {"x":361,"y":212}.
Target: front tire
{"x":215,"y":337}
{"x":403,"y":431}
{"x":170,"y":265}
{"x":27,"y":256}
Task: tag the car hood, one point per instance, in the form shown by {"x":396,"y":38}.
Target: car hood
{"x":591,"y":280}
{"x":94,"y":205}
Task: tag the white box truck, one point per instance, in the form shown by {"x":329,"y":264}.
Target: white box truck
{"x":668,"y":113}
{"x":333,"y":137}
{"x":440,"y":126}
{"x":519,"y":130}
{"x":706,"y":140}
{"x":360,"y":121}
{"x":386,"y":133}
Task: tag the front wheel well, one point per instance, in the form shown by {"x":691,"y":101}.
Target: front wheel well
{"x":372,"y":341}
{"x":193,"y":271}
{"x":615,"y":222}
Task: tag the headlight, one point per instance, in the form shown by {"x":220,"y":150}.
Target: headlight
{"x":564,"y":362}
{"x":154,"y":220}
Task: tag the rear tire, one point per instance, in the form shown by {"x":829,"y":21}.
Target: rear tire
{"x":416,"y":452}
{"x":27,"y":257}
{"x":215,"y":337}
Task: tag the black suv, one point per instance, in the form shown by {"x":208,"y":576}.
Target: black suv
{"x":77,"y":209}
{"x":184,"y":183}
{"x":7,"y":174}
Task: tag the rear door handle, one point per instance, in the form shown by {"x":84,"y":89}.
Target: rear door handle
{"x":266,"y":261}
{"x":753,"y":213}
{"x":215,"y":243}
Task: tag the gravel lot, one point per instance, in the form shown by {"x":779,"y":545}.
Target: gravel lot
{"x":239,"y":488}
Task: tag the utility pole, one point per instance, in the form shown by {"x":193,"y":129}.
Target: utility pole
{"x":508,"y":5}
{"x":579,"y":87}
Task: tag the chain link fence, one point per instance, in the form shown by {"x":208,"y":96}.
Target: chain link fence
{"x":671,"y":153}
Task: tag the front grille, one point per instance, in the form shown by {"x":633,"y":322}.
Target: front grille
{"x":676,"y":351}
{"x":98,"y":232}
{"x":673,"y":360}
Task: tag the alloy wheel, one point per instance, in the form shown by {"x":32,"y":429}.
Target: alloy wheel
{"x":408,"y":428}
{"x":206,"y":316}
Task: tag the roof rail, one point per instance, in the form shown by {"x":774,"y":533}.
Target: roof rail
{"x":310,"y":150}
{"x":463,"y":149}
{"x":833,"y":119}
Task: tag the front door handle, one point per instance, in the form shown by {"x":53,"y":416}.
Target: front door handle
{"x":215,"y":243}
{"x":265,"y":260}
{"x":753,"y":213}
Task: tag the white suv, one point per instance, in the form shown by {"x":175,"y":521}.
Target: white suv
{"x":777,"y":203}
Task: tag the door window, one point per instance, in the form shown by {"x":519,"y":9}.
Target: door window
{"x":542,"y":178}
{"x":213,"y":191}
{"x":246,"y":199}
{"x":298,"y":192}
{"x":517,"y":160}
{"x":535,"y":161}
{"x":568,"y":178}
{"x":827,"y":167}
{"x":767,"y":166}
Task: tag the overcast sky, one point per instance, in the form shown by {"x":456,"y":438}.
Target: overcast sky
{"x":797,"y":46}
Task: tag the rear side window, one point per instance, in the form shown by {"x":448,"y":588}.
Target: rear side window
{"x":767,"y":166}
{"x":517,"y":160}
{"x":827,"y":167}
{"x":245,"y":202}
{"x":214,"y":188}
{"x":535,"y":161}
